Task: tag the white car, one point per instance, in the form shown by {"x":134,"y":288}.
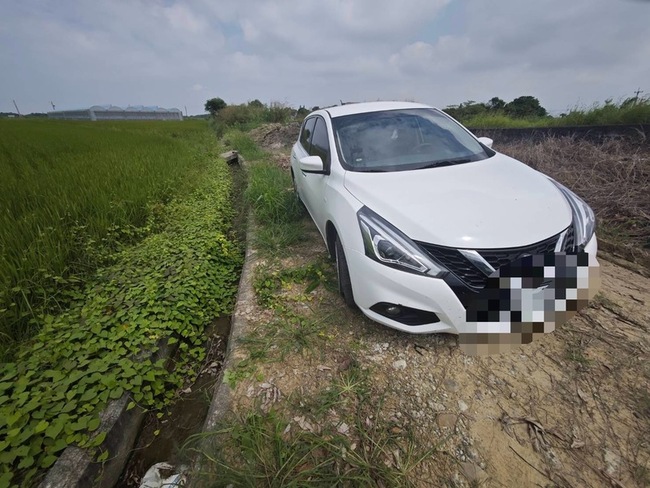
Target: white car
{"x":429,"y":225}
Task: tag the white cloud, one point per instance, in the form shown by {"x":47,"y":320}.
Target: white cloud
{"x":183,"y":19}
{"x":316,"y":52}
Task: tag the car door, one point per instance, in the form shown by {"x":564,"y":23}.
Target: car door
{"x":300,"y":150}
{"x":314,"y":185}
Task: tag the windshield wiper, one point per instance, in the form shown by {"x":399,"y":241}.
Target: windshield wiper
{"x":446,"y":162}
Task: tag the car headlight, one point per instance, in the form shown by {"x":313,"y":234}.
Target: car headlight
{"x":387,"y":245}
{"x":584,"y":220}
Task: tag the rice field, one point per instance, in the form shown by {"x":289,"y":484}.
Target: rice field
{"x":72,"y":193}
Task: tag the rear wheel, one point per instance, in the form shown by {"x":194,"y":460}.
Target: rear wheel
{"x":343,"y":274}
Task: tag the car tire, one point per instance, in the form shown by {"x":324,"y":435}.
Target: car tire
{"x":343,"y":274}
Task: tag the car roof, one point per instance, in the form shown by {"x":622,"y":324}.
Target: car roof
{"x":359,"y":108}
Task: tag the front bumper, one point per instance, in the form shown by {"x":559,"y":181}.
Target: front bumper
{"x":373,"y":283}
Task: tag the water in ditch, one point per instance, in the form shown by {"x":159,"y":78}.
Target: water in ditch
{"x":161,"y":439}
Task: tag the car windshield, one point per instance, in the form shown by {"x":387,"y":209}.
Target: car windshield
{"x":398,"y":140}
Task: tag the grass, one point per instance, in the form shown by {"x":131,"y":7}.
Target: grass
{"x":609,"y":113}
{"x":71,"y":193}
{"x":276,"y":237}
{"x":277,"y":449}
{"x":271,"y":195}
{"x":244,"y":144}
{"x":275,"y":206}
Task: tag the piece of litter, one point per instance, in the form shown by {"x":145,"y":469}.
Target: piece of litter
{"x":153,"y":478}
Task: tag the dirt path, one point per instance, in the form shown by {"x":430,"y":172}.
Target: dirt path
{"x":571,"y":409}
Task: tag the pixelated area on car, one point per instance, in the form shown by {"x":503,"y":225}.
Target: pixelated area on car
{"x":529,"y":297}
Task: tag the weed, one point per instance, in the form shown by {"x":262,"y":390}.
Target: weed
{"x":271,"y":195}
{"x":576,"y":353}
{"x":612,"y":177}
{"x":266,"y":449}
{"x":275,"y":238}
{"x":630,"y":111}
{"x":244,"y":144}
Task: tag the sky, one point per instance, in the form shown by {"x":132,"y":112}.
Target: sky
{"x":172,"y":53}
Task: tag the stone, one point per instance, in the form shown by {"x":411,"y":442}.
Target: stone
{"x":472,"y":473}
{"x":447,"y":420}
{"x":399,"y":364}
{"x":451,"y":385}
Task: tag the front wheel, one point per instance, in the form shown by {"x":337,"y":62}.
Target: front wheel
{"x":343,"y":275}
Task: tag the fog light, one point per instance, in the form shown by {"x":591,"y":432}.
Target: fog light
{"x":405,"y":315}
{"x":393,"y":310}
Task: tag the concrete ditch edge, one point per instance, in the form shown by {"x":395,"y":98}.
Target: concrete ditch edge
{"x":221,"y":398}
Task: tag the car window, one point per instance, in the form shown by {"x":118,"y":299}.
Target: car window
{"x":305,"y":135}
{"x":396,"y":140}
{"x":320,"y":145}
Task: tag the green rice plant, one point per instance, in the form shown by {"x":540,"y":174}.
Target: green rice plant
{"x":73,"y":193}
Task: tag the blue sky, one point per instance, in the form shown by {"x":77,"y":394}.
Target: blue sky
{"x":317,"y":52}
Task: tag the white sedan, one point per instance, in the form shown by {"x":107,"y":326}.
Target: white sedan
{"x":434,"y":231}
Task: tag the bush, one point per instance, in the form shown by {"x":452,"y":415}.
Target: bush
{"x":248,"y":116}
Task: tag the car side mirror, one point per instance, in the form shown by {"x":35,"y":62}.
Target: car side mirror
{"x":486,"y":141}
{"x":311,"y":164}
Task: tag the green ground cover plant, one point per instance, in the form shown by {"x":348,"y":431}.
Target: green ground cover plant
{"x":165,"y":288}
{"x":71,"y":193}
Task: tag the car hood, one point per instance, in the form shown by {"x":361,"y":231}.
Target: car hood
{"x":494,"y":203}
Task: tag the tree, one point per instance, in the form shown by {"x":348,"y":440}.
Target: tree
{"x":496,"y":103}
{"x":525,"y":106}
{"x":214,"y":105}
{"x":256,"y":104}
{"x":466,"y":110}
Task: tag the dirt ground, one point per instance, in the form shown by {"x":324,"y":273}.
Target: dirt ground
{"x":570,"y":409}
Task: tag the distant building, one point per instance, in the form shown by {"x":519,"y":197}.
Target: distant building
{"x":111,"y":112}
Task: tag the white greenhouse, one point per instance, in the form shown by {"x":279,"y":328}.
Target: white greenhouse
{"x":111,"y":112}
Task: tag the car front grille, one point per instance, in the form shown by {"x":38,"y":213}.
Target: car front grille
{"x":473,"y":277}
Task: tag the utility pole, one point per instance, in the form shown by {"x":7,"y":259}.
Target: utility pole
{"x":16,"y":108}
{"x":185,"y":110}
